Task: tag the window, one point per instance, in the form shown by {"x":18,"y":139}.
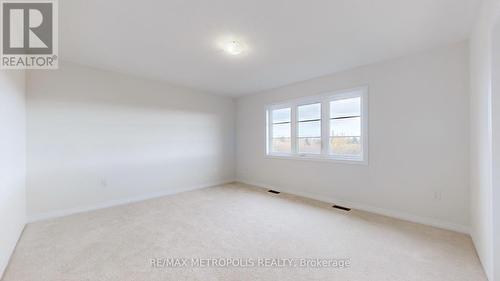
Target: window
{"x":282,"y":128}
{"x":309,"y":125}
{"x":345,"y":126}
{"x":328,"y":127}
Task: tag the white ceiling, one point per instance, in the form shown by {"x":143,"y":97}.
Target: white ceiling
{"x":288,"y":40}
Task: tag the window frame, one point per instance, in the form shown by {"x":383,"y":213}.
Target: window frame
{"x":324,"y":99}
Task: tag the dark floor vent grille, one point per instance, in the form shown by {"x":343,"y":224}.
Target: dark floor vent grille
{"x":341,"y":208}
{"x":273,"y":191}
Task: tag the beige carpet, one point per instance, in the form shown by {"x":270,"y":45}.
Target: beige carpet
{"x":241,"y":224}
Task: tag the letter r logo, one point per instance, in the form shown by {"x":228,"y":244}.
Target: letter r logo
{"x":27,"y":28}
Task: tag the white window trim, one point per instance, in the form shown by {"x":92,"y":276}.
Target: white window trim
{"x":325,"y":100}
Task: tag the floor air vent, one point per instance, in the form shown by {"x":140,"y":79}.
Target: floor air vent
{"x":273,"y":191}
{"x":341,"y":208}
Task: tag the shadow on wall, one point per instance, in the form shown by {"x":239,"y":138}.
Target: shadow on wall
{"x":495,"y":115}
{"x":95,"y":136}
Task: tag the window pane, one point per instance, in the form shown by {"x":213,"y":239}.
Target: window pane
{"x":310,"y":129}
{"x":345,"y":145}
{"x":345,"y":127}
{"x":309,"y":132}
{"x":309,"y":112}
{"x":345,"y":107}
{"x":310,"y":145}
{"x":281,"y":115}
{"x":283,"y":145}
{"x":281,"y":130}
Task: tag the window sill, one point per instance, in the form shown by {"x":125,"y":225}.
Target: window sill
{"x":318,"y":158}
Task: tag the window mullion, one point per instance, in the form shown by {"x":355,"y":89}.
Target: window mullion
{"x":294,"y":129}
{"x":325,"y":127}
{"x":269,"y":131}
{"x":364,"y":126}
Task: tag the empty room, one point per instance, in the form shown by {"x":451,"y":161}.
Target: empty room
{"x":349,"y":140}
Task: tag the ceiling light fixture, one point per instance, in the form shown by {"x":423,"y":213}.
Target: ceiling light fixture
{"x":233,"y":48}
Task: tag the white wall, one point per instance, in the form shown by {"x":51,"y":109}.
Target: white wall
{"x":481,"y":134}
{"x":12,"y":162}
{"x":418,"y":140}
{"x":98,"y":138}
{"x":495,"y":125}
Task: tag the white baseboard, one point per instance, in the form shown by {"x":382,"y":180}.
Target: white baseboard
{"x":3,"y":267}
{"x":117,"y":202}
{"x":372,"y":209}
{"x":355,"y":205}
